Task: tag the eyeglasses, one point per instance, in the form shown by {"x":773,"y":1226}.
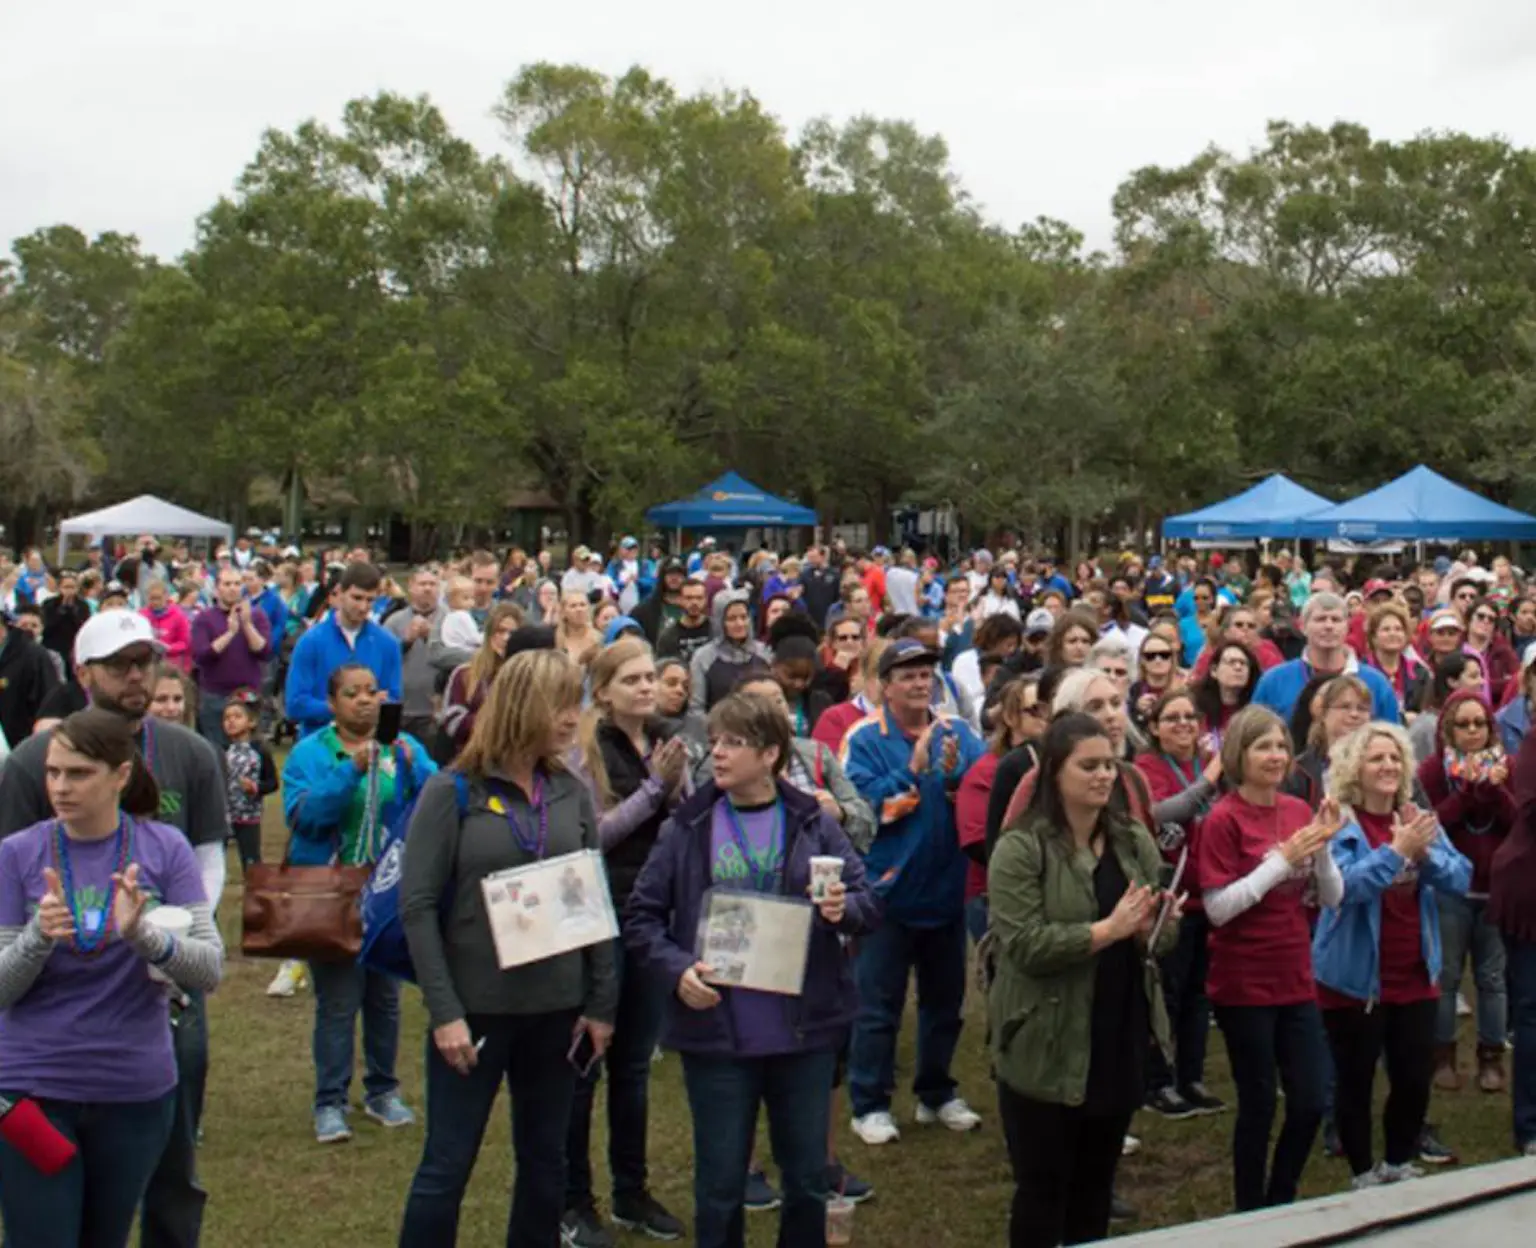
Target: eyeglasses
{"x":122,"y":664}
{"x":1179,"y":719}
{"x":1245,"y":625}
{"x":1469,"y":724}
{"x":1115,"y":673}
{"x":729,"y":742}
{"x":1485,"y":617}
{"x":1157,"y":656}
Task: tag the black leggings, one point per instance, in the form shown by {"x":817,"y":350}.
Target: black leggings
{"x":248,"y":841}
{"x":1063,"y":1170}
{"x":1359,"y":1037}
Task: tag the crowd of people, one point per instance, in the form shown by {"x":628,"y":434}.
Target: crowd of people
{"x":1139,"y":794}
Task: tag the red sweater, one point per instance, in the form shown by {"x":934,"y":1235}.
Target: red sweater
{"x":971,"y":801}
{"x":1477,"y":817}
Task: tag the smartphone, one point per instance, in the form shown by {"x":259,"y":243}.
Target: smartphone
{"x":582,"y":1054}
{"x":389,"y":723}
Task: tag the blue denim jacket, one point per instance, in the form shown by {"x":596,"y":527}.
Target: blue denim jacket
{"x":1346,"y":948}
{"x":661,"y":922}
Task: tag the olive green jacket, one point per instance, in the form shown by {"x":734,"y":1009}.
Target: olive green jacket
{"x":1042,"y":904}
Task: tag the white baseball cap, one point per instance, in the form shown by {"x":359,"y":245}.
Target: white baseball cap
{"x":108,"y":632}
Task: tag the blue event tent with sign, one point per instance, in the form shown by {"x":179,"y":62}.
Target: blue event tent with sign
{"x":1272,"y":508}
{"x":1420,"y":506}
{"x":731,"y":502}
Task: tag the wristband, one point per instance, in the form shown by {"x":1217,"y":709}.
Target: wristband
{"x":170,"y":951}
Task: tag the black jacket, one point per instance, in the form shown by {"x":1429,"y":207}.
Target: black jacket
{"x":26,"y":678}
{"x":649,"y":614}
{"x":61,"y":621}
{"x":820,"y":590}
{"x":627,"y":772}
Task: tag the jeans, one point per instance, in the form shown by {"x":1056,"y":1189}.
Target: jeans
{"x":210,"y":718}
{"x":884,"y":960}
{"x":1261,"y":1040}
{"x":723,"y":1095}
{"x":1189,"y":1012}
{"x":1359,"y":1037}
{"x":528,"y":1052}
{"x":342,"y":989}
{"x":1520,"y":967}
{"x":976,"y":918}
{"x":91,"y":1202}
{"x":172,"y":1216}
{"x":642,"y":1008}
{"x":1064,"y":1163}
{"x":1464,"y":928}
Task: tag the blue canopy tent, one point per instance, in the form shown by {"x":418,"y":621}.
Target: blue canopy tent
{"x":1420,"y":506}
{"x":731,"y":502}
{"x":1272,"y":508}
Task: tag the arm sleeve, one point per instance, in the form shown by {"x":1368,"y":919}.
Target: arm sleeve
{"x":266,"y":781}
{"x":649,"y":911}
{"x":24,"y":951}
{"x":1227,"y":902}
{"x":211,"y":865}
{"x":195,"y":961}
{"x":431,"y":848}
{"x":1183,"y":806}
{"x":305,"y":697}
{"x":207,"y":803}
{"x":202,"y":640}
{"x":858,"y":819}
{"x":1445,"y":868}
{"x":316,"y":796}
{"x":892,"y":793}
{"x":1330,"y":881}
{"x":22,"y":799}
{"x":698,"y":681}
{"x":616,"y":824}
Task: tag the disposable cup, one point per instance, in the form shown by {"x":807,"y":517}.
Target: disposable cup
{"x":840,"y":1220}
{"x":825,"y":870}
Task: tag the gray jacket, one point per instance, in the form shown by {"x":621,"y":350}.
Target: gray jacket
{"x":455,"y":960}
{"x":721,"y":651}
{"x":418,"y":679}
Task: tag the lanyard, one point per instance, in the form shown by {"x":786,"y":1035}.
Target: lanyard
{"x":763,"y":869}
{"x":92,"y":925}
{"x":530,"y":842}
{"x":1188,"y":778}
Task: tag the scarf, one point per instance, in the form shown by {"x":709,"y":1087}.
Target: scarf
{"x":1470,"y":768}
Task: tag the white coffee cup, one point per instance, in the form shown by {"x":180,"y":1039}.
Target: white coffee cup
{"x":826,"y":870}
{"x":174,"y":920}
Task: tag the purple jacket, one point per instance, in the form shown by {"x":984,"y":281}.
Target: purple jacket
{"x":661,"y":922}
{"x":237,"y":667}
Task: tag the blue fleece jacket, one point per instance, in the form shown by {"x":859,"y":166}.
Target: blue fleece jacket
{"x":317,"y":794}
{"x":915,"y":862}
{"x":1346,"y":948}
{"x":320,"y":652}
{"x":1281,"y":686}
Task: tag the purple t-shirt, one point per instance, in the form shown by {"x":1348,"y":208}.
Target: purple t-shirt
{"x":237,"y":667}
{"x":760,"y":1018}
{"x":92,"y":1028}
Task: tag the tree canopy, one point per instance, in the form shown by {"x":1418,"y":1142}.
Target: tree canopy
{"x":642,"y":288}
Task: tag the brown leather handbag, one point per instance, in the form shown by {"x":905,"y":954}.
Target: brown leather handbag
{"x":310,"y":913}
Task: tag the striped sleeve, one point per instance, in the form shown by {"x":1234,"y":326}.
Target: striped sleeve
{"x":24,"y":951}
{"x":194,"y":961}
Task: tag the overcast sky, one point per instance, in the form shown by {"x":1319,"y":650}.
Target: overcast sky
{"x":137,"y":116}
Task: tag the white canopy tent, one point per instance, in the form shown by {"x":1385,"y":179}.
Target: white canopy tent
{"x":144,"y":514}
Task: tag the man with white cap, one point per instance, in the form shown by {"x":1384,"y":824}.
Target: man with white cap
{"x":115,"y":656}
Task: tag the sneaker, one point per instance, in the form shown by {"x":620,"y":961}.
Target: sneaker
{"x":876,"y":1128}
{"x":1431,"y":1151}
{"x":646,"y":1214}
{"x":1130,"y":1146}
{"x":582,"y":1228}
{"x":954,"y":1114}
{"x":762,"y":1196}
{"x":1463,"y":1007}
{"x":1399,"y":1173}
{"x":849,"y":1186}
{"x":1529,"y":1150}
{"x":389,"y":1111}
{"x":1371,"y":1178}
{"x":1199,"y":1098}
{"x":290,"y":977}
{"x":331,"y":1126}
{"x":1168,"y":1103}
{"x":1121,"y":1210}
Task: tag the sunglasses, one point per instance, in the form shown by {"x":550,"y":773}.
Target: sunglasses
{"x":1470,"y":723}
{"x":842,"y":637}
{"x":1157,"y":656}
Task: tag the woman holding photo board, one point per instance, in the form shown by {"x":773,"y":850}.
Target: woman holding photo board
{"x":751,"y":832}
{"x":537,"y":1025}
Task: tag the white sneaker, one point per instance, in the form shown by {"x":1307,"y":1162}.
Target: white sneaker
{"x":1463,"y":1007}
{"x":876,"y":1128}
{"x":954,"y":1114}
{"x":289,"y":979}
{"x":1130,"y":1146}
{"x":1371,"y":1178}
{"x":1398,"y":1174}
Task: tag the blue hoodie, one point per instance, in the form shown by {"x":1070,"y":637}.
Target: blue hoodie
{"x":1346,"y":948}
{"x":318,"y":789}
{"x":915,"y":862}
{"x":323,"y":649}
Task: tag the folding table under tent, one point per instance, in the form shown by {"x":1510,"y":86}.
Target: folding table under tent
{"x":1421,"y":506}
{"x":144,"y":514}
{"x":731,"y":502}
{"x":1272,"y":508}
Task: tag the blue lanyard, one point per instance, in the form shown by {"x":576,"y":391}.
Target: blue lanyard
{"x":1188,"y":779}
{"x":764,"y":872}
{"x":530,"y":842}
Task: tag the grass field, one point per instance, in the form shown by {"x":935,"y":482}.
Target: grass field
{"x":270,"y":1184}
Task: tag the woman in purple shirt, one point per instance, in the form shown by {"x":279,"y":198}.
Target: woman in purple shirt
{"x":84,"y":1028}
{"x":750,"y":830}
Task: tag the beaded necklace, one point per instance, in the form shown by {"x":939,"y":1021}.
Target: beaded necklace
{"x":92,"y":926}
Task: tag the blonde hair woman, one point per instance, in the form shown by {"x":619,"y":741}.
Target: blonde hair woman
{"x":574,"y":634}
{"x":635,"y":770}
{"x":470,"y":682}
{"x":489,"y":1026}
{"x":1377,"y":954}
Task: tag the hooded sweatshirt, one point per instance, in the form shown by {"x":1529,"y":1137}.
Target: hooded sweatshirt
{"x":717,"y":667}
